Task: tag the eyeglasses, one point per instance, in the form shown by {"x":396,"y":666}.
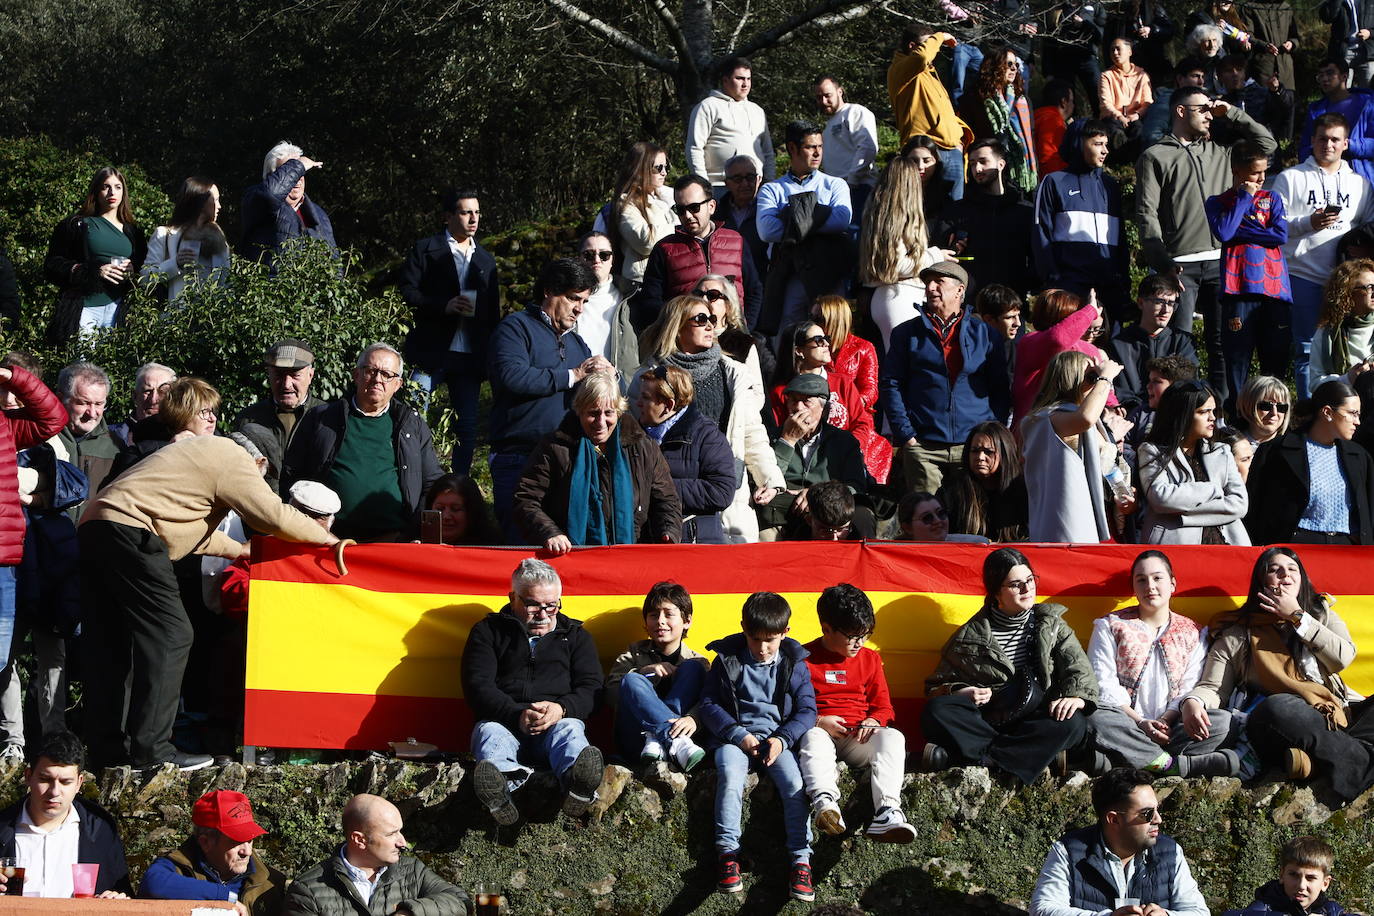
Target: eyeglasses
{"x":820,"y":340}
{"x":855,"y":639}
{"x":710,"y":295}
{"x":1144,"y":815}
{"x":702,"y":319}
{"x":536,"y":609}
{"x":661,"y":168}
{"x":385,"y":375}
{"x":930,"y":518}
{"x":1271,"y":407}
{"x":682,"y":209}
{"x":1207,"y":107}
{"x":1161,"y":300}
{"x":1022,"y":585}
{"x":1350,"y":414}
{"x":206,"y":414}
{"x":591,"y":255}
{"x":1368,"y":288}
{"x":747,"y":176}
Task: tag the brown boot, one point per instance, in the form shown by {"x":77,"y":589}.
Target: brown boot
{"x":1299,"y":764}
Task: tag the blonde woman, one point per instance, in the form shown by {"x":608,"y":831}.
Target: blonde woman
{"x":893,"y":246}
{"x":1343,"y":344}
{"x":852,"y":357}
{"x":644,"y":207}
{"x":1264,"y":408}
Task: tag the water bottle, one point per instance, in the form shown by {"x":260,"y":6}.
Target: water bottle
{"x":1121,"y":490}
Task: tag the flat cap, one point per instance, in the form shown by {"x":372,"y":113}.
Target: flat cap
{"x":289,"y":354}
{"x":314,"y":498}
{"x":949,"y":269}
{"x":808,"y":385}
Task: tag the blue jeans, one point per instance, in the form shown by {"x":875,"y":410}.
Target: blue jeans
{"x":967,"y":57}
{"x":643,"y":712}
{"x":517,"y":755}
{"x":1255,"y":324}
{"x":505,"y":474}
{"x":7,"y":595}
{"x":952,"y":170}
{"x":732,"y":767}
{"x":462,"y":372}
{"x":1307,"y":305}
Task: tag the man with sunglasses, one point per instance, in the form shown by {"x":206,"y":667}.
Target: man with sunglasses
{"x":532,"y":678}
{"x":726,"y":124}
{"x":1123,"y":865}
{"x":1174,"y":178}
{"x":696,"y":247}
{"x":737,"y":207}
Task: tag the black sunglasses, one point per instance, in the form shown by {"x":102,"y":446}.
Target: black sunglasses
{"x":930,"y":518}
{"x":592,"y":256}
{"x":710,"y":295}
{"x":820,"y":340}
{"x":702,"y":319}
{"x":1266,"y":406}
{"x":681,"y":209}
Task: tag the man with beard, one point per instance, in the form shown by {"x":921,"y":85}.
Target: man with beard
{"x":990,"y":228}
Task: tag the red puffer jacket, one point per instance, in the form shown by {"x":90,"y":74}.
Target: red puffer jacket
{"x":41,"y":418}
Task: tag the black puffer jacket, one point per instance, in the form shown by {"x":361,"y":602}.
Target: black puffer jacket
{"x":704,"y":473}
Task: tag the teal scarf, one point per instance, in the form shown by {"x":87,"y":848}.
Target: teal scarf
{"x":587,"y":524}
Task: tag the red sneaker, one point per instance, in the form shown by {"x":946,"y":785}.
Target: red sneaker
{"x":728,"y":880}
{"x":800,"y":886}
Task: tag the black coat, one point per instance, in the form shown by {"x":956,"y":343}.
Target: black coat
{"x":1133,"y":348}
{"x":1279,"y":487}
{"x":501,"y":678}
{"x":427,"y":281}
{"x":268,"y":220}
{"x":1337,"y":12}
{"x":704,"y":473}
{"x":998,"y":230}
{"x":758,"y":249}
{"x":76,"y":276}
{"x":99,"y":843}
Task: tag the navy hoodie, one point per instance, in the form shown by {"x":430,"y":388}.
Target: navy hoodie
{"x":1078,"y":240}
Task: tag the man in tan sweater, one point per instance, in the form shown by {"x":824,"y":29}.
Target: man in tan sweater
{"x":162,"y":509}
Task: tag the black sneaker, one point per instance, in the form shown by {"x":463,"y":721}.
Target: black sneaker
{"x":728,"y":879}
{"x":585,"y":775}
{"x":934,"y":758}
{"x":183,"y":762}
{"x":489,"y":785}
{"x":799,"y":885}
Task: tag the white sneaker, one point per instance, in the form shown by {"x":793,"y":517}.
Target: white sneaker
{"x":652,"y":753}
{"x":890,"y":826}
{"x":828,"y":816}
{"x":686,"y":752}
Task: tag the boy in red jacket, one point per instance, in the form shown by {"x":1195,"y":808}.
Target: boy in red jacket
{"x":854,"y":721}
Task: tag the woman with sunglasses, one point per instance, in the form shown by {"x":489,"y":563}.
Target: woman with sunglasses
{"x":1312,"y":485}
{"x":922,"y":516}
{"x":685,"y":336}
{"x":998,"y":108}
{"x":851,"y":356}
{"x":1262,"y":409}
{"x":733,"y":335}
{"x":1343,"y":344}
{"x":1280,"y":657}
{"x":1193,"y":489}
{"x":987,"y":495}
{"x":1013,"y":687}
{"x":644,"y":206}
{"x":806,"y":348}
{"x":605,"y":320}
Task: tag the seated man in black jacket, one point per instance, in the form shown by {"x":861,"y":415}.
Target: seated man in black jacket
{"x":531,"y":677}
{"x":52,"y":829}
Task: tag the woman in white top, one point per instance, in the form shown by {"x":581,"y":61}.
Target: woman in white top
{"x":192,"y":244}
{"x":1343,"y":344}
{"x":644,"y":206}
{"x":892,"y":247}
{"x":1147,"y":658}
{"x":1193,"y":490}
{"x":604,"y":324}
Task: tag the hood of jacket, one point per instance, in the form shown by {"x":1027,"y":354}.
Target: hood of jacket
{"x":1071,"y":148}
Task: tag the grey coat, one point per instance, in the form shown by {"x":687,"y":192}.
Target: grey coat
{"x":326,"y":890}
{"x":1178,"y":506}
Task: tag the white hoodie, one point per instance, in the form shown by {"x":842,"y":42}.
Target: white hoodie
{"x":1305,"y":189}
{"x":719,"y":128}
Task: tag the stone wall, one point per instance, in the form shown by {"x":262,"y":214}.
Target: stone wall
{"x":646,"y":848}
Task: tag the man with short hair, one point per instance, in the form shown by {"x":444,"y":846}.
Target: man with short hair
{"x":1270,"y":105}
{"x":271,"y":422}
{"x":52,"y":828}
{"x":1323,"y":198}
{"x":851,"y":144}
{"x":696,"y":247}
{"x":943,"y":374}
{"x":85,"y":390}
{"x":736,"y":208}
{"x":150,"y":383}
{"x":276,"y":210}
{"x":1078,"y":242}
{"x":532,"y":679}
{"x":920,"y":103}
{"x":1124,"y":856}
{"x":992,"y":223}
{"x":374,"y":451}
{"x":1355,"y":105}
{"x":535,"y":359}
{"x":726,"y":124}
{"x":369,"y":875}
{"x":1135,"y":346}
{"x":217,"y":861}
{"x":1159,"y":116}
{"x":805,"y":215}
{"x":452,"y":285}
{"x":1174,"y":178}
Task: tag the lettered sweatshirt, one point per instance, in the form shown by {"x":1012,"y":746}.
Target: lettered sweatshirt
{"x":1307,"y":188}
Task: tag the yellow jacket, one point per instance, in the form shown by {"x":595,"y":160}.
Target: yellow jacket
{"x":919,"y":100}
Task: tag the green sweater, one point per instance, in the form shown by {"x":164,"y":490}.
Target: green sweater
{"x":364,"y":475}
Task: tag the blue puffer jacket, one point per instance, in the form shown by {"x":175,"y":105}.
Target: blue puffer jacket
{"x":1271,"y":899}
{"x":1078,"y":239}
{"x":528,"y":365}
{"x":704,"y":473}
{"x":268,"y":220}
{"x":795,"y":696}
{"x":48,"y":581}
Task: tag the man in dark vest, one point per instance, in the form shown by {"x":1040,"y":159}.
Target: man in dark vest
{"x":1122,"y":865}
{"x":697,"y":247}
{"x":217,"y":861}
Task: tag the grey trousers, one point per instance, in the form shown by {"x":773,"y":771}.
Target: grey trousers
{"x":48,"y":688}
{"x":1116,"y":735}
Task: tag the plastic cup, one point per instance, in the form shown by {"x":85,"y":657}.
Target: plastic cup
{"x":14,"y":876}
{"x":83,"y":878}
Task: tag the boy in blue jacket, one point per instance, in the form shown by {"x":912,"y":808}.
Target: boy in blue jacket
{"x":757,"y":705}
{"x":1302,"y":884}
{"x":1256,"y":295}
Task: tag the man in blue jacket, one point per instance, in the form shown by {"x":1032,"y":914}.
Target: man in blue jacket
{"x":276,"y":209}
{"x":943,"y":374}
{"x":1077,"y":241}
{"x":534,"y":360}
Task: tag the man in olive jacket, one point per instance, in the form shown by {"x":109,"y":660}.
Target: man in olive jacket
{"x":369,"y":875}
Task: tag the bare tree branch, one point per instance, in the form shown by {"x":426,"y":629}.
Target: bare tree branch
{"x":684,"y":54}
{"x":739,"y":26}
{"x":614,"y":36}
{"x":820,"y":16}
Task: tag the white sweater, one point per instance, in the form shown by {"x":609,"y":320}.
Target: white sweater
{"x":719,"y":128}
{"x":851,"y":145}
{"x":1306,"y":188}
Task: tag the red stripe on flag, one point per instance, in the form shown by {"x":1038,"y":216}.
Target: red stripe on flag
{"x":284,"y":718}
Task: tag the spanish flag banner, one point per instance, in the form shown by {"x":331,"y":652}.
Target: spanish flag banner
{"x":360,"y":660}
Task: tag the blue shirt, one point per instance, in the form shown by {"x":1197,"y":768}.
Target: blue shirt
{"x":773,"y":197}
{"x":758,"y":713}
{"x":1328,"y":500}
{"x":162,"y":881}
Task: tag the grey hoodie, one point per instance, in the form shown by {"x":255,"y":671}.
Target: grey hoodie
{"x":1174,"y":180}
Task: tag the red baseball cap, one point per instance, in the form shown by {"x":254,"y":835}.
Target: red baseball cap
{"x":228,"y":812}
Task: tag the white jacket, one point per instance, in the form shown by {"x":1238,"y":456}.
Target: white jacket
{"x":639,"y":235}
{"x":162,"y":261}
{"x":719,"y":128}
{"x":851,"y":145}
{"x":1306,"y":188}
